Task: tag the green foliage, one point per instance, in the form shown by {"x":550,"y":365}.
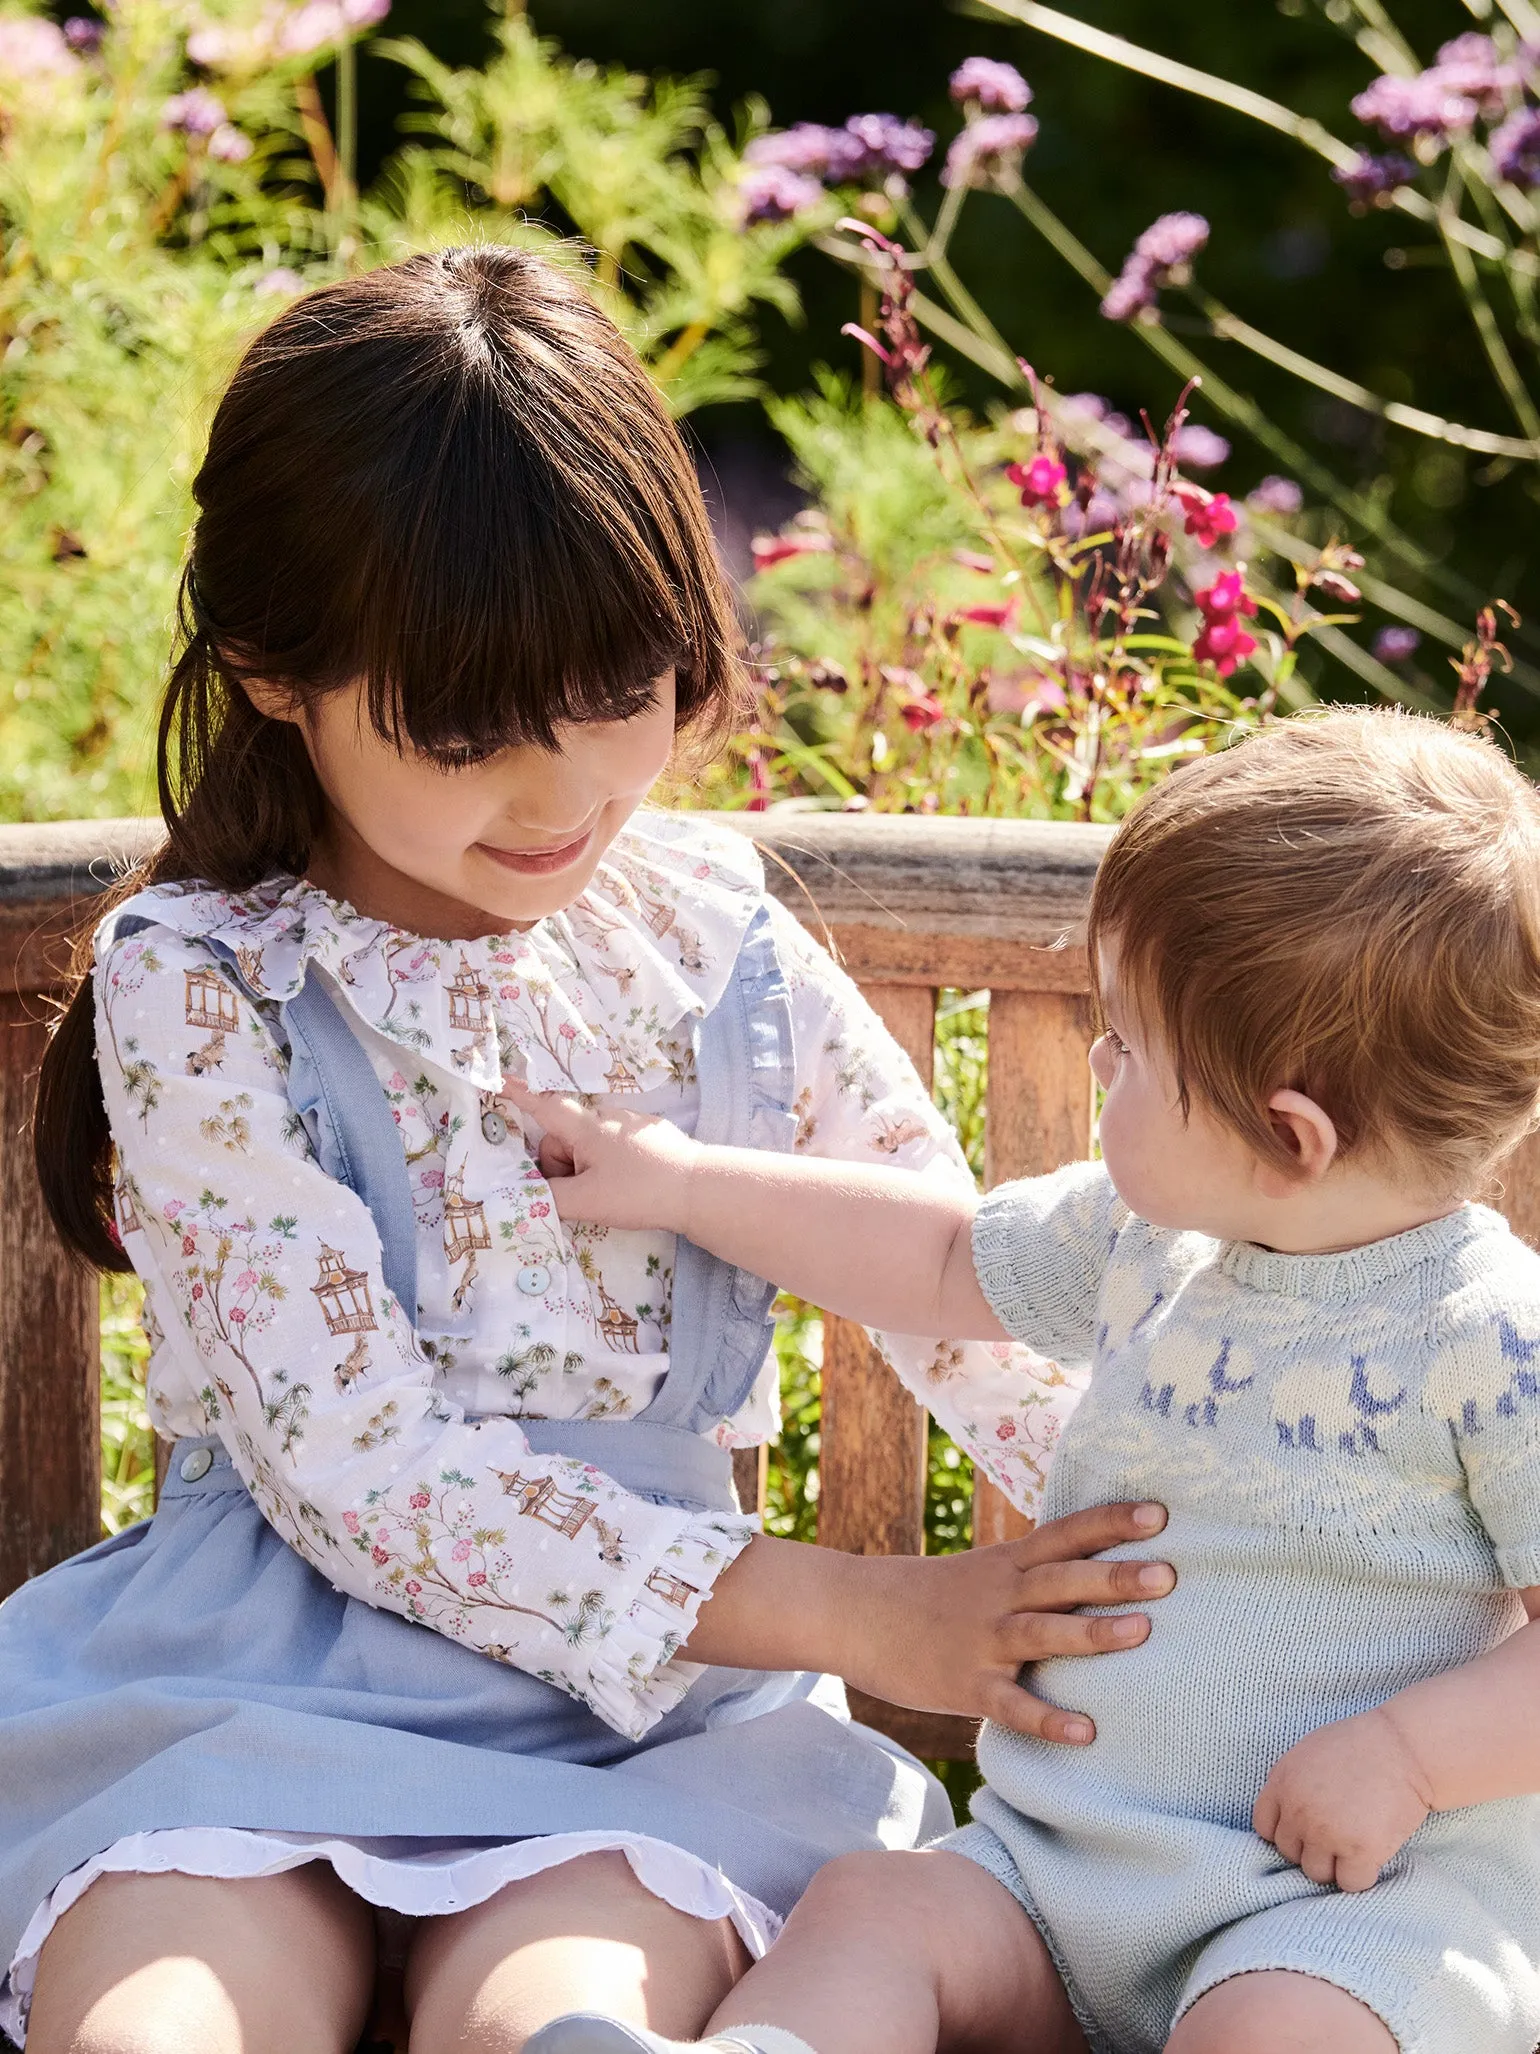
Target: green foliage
{"x":128,"y":1441}
{"x":136,"y":260}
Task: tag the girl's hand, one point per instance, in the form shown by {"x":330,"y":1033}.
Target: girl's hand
{"x":611,"y":1169}
{"x":1345,"y":1801}
{"x":939,"y":1633}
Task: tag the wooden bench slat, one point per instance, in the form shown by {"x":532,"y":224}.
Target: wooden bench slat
{"x":50,"y":1335}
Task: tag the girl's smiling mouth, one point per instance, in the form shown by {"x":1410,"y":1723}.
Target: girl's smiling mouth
{"x":538,"y":862}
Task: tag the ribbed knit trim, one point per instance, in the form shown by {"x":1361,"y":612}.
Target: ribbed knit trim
{"x":1349,"y":1273}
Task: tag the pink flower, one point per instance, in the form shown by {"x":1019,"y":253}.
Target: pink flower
{"x":773,"y":549}
{"x":759,"y":783}
{"x":1224,"y":643}
{"x":461,"y":1551}
{"x":989,"y":616}
{"x":568,"y":1031}
{"x":1006,"y":1430}
{"x":1208,"y":516}
{"x":413,"y":1587}
{"x":923,"y":711}
{"x":246,"y":1280}
{"x":189,"y":1244}
{"x":379,"y":1555}
{"x":174,"y":1206}
{"x":1225,"y":598}
{"x":476,"y":1578}
{"x":237,"y":1315}
{"x":419,"y":1500}
{"x":197,"y":1291}
{"x":1040,"y":482}
{"x":702,"y":871}
{"x":539,"y":1210}
{"x":1026,"y":693}
{"x":350,"y":1521}
{"x":33,"y":48}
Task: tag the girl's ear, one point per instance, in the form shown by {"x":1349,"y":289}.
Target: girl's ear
{"x":274,"y":701}
{"x":1310,"y":1137}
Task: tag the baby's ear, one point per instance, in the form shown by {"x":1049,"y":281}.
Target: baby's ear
{"x":1308,"y":1133}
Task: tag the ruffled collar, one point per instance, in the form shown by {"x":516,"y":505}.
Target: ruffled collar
{"x":581,"y":1001}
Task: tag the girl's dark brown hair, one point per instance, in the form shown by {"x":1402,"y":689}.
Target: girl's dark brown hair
{"x":453,"y":480}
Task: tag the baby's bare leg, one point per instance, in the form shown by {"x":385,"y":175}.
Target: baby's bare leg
{"x":908,"y":1954}
{"x":165,"y":1964}
{"x":1273,"y":2011}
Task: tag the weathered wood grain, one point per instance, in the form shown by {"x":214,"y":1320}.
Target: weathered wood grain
{"x":1040,"y":1109}
{"x":50,"y":1458}
{"x":871,"y":1463}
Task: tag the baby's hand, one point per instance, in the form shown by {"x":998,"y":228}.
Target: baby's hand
{"x":1343,"y":1802}
{"x":611,"y":1169}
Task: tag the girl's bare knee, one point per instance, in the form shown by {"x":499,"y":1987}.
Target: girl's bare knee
{"x":1279,"y":2011}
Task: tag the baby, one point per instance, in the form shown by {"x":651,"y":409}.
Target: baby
{"x":1301,"y":1814}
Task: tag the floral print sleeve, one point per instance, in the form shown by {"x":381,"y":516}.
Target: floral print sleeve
{"x":265,"y":1276}
{"x":859,"y":1100}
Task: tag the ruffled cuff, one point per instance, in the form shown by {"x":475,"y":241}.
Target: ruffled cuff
{"x":637,"y":1676}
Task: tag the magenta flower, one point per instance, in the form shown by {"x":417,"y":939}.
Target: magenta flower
{"x":1276,"y":495}
{"x":1224,"y":643}
{"x":1396,"y":644}
{"x":922,"y":712}
{"x":997,"y":616}
{"x":420,"y":1501}
{"x":413,"y":1587}
{"x":990,"y":86}
{"x":988,"y":150}
{"x":1040,"y":482}
{"x":476,"y":1578}
{"x":769,"y":192}
{"x":1225,"y":598}
{"x":196,"y":112}
{"x":238,"y":1315}
{"x":759,"y":783}
{"x":1208,"y":517}
{"x":1515,"y":148}
{"x":769,"y":550}
{"x":379,"y":1555}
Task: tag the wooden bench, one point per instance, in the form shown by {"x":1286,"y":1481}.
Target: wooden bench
{"x":911,"y":904}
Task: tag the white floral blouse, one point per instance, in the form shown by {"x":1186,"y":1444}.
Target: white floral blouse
{"x":392,"y":1459}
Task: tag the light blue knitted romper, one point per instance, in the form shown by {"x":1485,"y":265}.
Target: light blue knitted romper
{"x":1349,"y":1446}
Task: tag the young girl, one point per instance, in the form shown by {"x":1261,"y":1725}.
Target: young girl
{"x":1308,"y":1817}
{"x":420,"y":1625}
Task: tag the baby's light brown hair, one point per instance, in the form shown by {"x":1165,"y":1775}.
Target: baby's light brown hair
{"x":1344,"y":904}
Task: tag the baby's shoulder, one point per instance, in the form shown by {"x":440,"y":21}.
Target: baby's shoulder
{"x":1485,"y":1327}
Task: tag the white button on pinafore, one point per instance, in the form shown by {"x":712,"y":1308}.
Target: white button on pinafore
{"x":196,"y":1465}
{"x":534,"y":1279}
{"x":494,"y":1126}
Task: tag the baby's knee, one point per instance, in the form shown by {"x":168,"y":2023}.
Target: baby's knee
{"x":908,"y":1897}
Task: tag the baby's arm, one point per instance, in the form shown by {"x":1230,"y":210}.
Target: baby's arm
{"x":873,"y":1245}
{"x":1344,"y":1801}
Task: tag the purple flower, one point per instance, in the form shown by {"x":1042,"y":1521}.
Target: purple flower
{"x":281,"y":279}
{"x":1470,"y":65}
{"x":1132,"y":292}
{"x":194,"y":113}
{"x":83,"y":34}
{"x":1373,"y":179}
{"x":992,"y":87}
{"x":1173,"y":240}
{"x":988,"y":149}
{"x":33,"y":48}
{"x":1396,"y":645}
{"x":770,"y":192}
{"x":1515,"y":148}
{"x":1164,"y":251}
{"x":1199,"y":449}
{"x":805,"y":148}
{"x":1403,"y":108}
{"x":229,"y":145}
{"x":870,"y":146}
{"x":1276,"y":495}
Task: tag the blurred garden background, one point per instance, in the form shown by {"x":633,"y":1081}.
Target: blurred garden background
{"x":1070,"y":385}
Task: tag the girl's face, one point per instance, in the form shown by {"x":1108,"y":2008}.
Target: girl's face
{"x":458,"y":851}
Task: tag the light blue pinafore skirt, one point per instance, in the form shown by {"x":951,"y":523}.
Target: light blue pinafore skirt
{"x":196,"y":1671}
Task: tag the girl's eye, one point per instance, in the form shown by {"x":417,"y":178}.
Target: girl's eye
{"x":461,"y":755}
